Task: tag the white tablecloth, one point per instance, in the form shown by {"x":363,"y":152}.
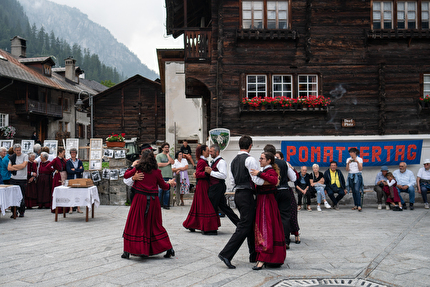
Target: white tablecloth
{"x":71,"y":196}
{"x":9,"y":196}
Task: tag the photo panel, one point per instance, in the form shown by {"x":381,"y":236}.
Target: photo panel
{"x":52,"y":145}
{"x":27,"y":146}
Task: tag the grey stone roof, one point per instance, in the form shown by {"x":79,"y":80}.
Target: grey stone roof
{"x":12,"y":68}
{"x":96,"y":86}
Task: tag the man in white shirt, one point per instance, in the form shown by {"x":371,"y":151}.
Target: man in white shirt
{"x":405,"y":183}
{"x":217,"y":188}
{"x":18,"y":167}
{"x":423,"y":182}
{"x":244,"y":184}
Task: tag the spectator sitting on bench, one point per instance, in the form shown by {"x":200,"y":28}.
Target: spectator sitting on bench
{"x":423,"y":182}
{"x":335,"y":183}
{"x":405,"y":183}
{"x":186,"y":152}
{"x":381,"y":181}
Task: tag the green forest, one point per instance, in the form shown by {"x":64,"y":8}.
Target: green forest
{"x":14,"y":22}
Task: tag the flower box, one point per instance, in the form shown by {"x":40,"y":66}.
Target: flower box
{"x":115,"y":144}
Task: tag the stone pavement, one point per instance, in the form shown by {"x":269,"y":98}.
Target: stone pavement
{"x":345,"y":247}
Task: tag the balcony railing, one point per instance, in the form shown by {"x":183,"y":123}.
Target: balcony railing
{"x":197,"y":45}
{"x":38,"y":108}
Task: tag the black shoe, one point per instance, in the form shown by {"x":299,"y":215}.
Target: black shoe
{"x":169,"y":253}
{"x":166,"y":207}
{"x":21,"y":215}
{"x":396,"y":208}
{"x":191,"y":229}
{"x":253,"y":257}
{"x":287,"y":246}
{"x":256,"y":267}
{"x":12,"y":216}
{"x":226,"y":262}
{"x":221,"y":215}
{"x":405,"y":206}
{"x":212,"y":232}
{"x":273,"y":265}
{"x":125,"y":255}
{"x":411,"y":206}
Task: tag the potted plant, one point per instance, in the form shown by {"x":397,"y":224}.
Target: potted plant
{"x":115,"y":140}
{"x":8,"y":132}
{"x":425,"y":101}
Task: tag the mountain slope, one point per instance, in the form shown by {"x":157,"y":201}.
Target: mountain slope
{"x":75,"y":27}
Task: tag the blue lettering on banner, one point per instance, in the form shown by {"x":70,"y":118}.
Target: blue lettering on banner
{"x":373,"y":153}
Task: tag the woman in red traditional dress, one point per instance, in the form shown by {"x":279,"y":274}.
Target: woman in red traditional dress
{"x":60,"y":175}
{"x":31,"y":192}
{"x":144,"y":234}
{"x":44,"y":182}
{"x":392,"y":193}
{"x":202,"y":215}
{"x":269,"y":233}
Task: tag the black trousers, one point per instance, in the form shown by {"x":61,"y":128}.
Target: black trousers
{"x":283,"y":198}
{"x":245,"y":203}
{"x":300,"y":196}
{"x":23,"y":185}
{"x":216,"y":195}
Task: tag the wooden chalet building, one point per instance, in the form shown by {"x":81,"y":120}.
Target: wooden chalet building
{"x":134,"y":107}
{"x":370,"y":66}
{"x":370,"y":58}
{"x":34,"y":97}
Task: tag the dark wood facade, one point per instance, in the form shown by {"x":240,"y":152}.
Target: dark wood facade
{"x":372,"y":76}
{"x":134,"y":107}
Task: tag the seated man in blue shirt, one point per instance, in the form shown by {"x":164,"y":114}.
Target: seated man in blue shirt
{"x":405,"y":183}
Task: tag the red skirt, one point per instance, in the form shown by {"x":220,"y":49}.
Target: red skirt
{"x":392,"y":195}
{"x":31,"y":194}
{"x":202,"y":215}
{"x":56,"y":181}
{"x":145,"y":234}
{"x":269,"y":233}
{"x":44,"y":182}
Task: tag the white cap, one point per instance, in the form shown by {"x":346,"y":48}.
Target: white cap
{"x":426,"y":161}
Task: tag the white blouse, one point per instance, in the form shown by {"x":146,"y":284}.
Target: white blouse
{"x":179,"y":164}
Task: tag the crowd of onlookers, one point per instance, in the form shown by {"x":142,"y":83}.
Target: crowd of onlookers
{"x":388,"y":186}
{"x":38,"y":173}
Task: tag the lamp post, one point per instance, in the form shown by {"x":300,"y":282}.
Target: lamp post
{"x":80,"y":103}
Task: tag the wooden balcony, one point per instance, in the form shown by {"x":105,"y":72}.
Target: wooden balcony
{"x":197,"y":45}
{"x":38,"y":108}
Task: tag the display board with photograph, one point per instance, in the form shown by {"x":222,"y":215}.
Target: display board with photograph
{"x":71,"y":143}
{"x":95,"y":175}
{"x":7,"y":144}
{"x":106,"y":173}
{"x":114,"y":173}
{"x":120,"y":153}
{"x":96,"y":153}
{"x":108,"y":153}
{"x":52,"y":145}
{"x":27,"y":146}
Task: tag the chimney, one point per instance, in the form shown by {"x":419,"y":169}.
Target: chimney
{"x":70,"y":69}
{"x":18,"y":47}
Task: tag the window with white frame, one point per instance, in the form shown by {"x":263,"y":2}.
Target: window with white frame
{"x":265,"y":14}
{"x":382,"y":15}
{"x":4,"y":120}
{"x":426,"y":89}
{"x":406,"y":15}
{"x":307,"y":85}
{"x":425,"y":11}
{"x":282,"y":85}
{"x":277,"y":12}
{"x":256,"y":86}
{"x":252,"y":14}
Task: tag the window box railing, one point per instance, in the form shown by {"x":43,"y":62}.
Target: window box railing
{"x":267,"y":34}
{"x":197,"y":45}
{"x":283,"y":109}
{"x":398,"y":34}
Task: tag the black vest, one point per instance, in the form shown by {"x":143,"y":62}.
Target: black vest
{"x":241,"y":176}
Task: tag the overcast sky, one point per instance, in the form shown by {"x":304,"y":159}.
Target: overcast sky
{"x":138,"y":24}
